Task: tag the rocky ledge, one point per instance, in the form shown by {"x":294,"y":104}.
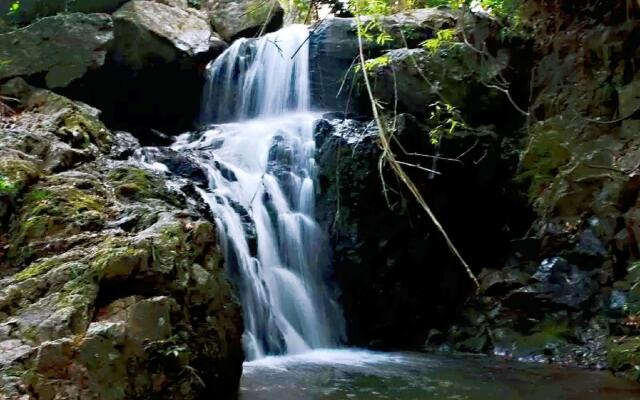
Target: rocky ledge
{"x":111,"y":282}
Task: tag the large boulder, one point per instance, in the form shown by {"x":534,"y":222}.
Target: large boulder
{"x":160,"y":47}
{"x":147,"y":31}
{"x":62,"y":47}
{"x":334,"y":50}
{"x":30,"y":10}
{"x":392,"y":297}
{"x":233,"y":19}
{"x":412,"y":79}
{"x":111,"y":283}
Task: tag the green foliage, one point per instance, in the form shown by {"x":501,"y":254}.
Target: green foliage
{"x":501,"y":8}
{"x":370,"y":7}
{"x":543,"y":158}
{"x":38,"y":195}
{"x":14,"y":8}
{"x":444,"y":38}
{"x":303,"y":8}
{"x":6,"y":186}
{"x":375,"y":63}
{"x":632,"y":303}
{"x":444,"y":120}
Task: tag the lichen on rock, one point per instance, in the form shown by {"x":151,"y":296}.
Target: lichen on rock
{"x":110,"y":283}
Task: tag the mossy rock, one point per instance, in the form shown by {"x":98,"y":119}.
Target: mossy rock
{"x":82,"y":129}
{"x":119,"y":262}
{"x":545,"y":154}
{"x":136,"y":184}
{"x":17,"y":173}
{"x":54,"y":208}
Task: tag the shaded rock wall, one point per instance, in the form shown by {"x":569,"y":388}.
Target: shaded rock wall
{"x":397,"y":276}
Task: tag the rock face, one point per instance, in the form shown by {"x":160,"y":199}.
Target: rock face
{"x":576,"y":298}
{"x":245,"y":18}
{"x":111,"y":283}
{"x":334,"y":48}
{"x":30,"y":10}
{"x":63,"y":47}
{"x":161,"y":50}
{"x":148,"y":30}
{"x":400,"y":281}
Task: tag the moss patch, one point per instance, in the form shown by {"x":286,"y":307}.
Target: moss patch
{"x":137,"y":184}
{"x":49,"y":211}
{"x":16,"y":174}
{"x":91,"y":129}
{"x":546,"y":153}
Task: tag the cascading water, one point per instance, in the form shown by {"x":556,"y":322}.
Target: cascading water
{"x":261,"y":171}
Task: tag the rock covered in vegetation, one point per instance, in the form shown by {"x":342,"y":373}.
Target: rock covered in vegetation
{"x":568,"y":292}
{"x":562,"y":284}
{"x":63,"y":47}
{"x":111,"y":284}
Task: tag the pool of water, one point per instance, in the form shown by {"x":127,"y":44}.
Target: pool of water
{"x":364,"y":375}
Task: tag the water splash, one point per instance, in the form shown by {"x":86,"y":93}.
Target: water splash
{"x":261,"y":169}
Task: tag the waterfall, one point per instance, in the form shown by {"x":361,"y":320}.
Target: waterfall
{"x":258,"y":150}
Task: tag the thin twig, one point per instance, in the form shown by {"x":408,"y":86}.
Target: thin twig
{"x":419,"y":167}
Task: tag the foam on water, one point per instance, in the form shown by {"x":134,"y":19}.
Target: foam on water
{"x":258,"y":152}
{"x":333,"y":357}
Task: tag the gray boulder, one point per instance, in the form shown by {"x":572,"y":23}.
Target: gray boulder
{"x":64,"y":47}
{"x":148,"y":31}
{"x":334,"y":49}
{"x":30,"y":10}
{"x":233,"y":19}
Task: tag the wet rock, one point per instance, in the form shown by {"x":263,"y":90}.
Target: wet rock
{"x":500,"y":282}
{"x":124,"y":145}
{"x":556,"y":284}
{"x":629,"y":99}
{"x":227,"y":173}
{"x":63,"y":47}
{"x":179,"y":164}
{"x":387,"y":295}
{"x":334,"y":49}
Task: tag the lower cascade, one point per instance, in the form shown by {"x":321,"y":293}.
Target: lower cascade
{"x":261,"y":173}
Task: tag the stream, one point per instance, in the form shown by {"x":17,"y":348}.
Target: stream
{"x":364,"y":375}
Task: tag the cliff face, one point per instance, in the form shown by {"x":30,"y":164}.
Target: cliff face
{"x":579,"y":166}
{"x":543,"y":206}
{"x":111,"y":282}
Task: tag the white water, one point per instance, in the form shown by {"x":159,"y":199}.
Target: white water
{"x":261,"y":169}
